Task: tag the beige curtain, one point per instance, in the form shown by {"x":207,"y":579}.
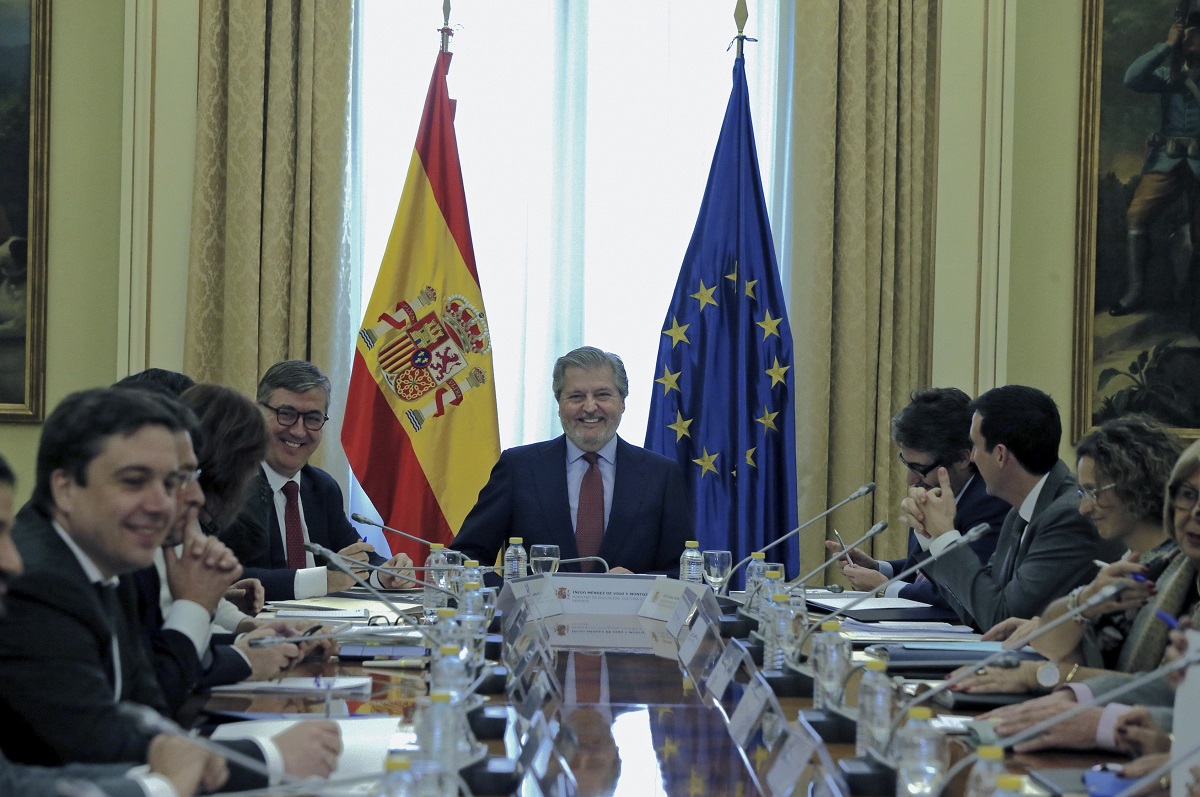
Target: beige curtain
{"x":270,"y":274}
{"x":859,"y":233}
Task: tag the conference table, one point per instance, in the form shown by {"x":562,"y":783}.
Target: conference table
{"x":642,"y":722}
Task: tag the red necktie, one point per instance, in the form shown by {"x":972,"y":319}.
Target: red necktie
{"x":293,"y":531}
{"x":589,"y":522}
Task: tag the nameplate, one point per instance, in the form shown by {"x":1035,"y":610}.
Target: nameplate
{"x":691,"y":644}
{"x":749,"y":710}
{"x":793,"y":758}
{"x":683,"y":610}
{"x":663,"y":599}
{"x":608,"y":632}
{"x":731,"y":659}
{"x":1187,"y":724}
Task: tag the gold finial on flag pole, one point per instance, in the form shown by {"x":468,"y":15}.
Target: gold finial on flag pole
{"x":740,"y":15}
{"x":446,"y":31}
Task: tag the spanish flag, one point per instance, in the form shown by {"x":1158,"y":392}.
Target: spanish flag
{"x":420,"y":430}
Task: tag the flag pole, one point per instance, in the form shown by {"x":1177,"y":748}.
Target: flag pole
{"x":447,"y":32}
{"x":740,"y":15}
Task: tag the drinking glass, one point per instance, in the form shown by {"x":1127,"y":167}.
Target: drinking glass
{"x":717,"y":565}
{"x":543,"y":558}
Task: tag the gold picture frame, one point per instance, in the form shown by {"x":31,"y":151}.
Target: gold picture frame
{"x":24,"y":156}
{"x":1135,"y":351}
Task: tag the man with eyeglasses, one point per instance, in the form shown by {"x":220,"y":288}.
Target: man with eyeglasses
{"x":292,"y":502}
{"x":1045,"y":549}
{"x":932,"y":432}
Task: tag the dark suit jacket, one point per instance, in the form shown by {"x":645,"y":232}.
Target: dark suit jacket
{"x":22,"y":781}
{"x":526,"y":496}
{"x":254,"y":536}
{"x":56,"y":664}
{"x":1026,"y":572}
{"x":975,"y":506}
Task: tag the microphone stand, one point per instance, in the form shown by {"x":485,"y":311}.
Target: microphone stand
{"x":866,"y":489}
{"x":391,"y":571}
{"x":357,"y":518}
{"x":878,"y":528}
{"x":585,"y":559}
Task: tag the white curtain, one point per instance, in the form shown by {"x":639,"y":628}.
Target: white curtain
{"x":586,"y":131}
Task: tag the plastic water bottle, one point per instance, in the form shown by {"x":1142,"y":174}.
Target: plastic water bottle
{"x":472,"y":572}
{"x":755,"y":570}
{"x":445,"y":630}
{"x":452,"y":577}
{"x":431,"y":599}
{"x":516,"y":560}
{"x":472,"y":618}
{"x":1009,"y":785}
{"x":875,"y":694}
{"x":988,"y":767}
{"x":399,"y":779}
{"x":830,"y":658}
{"x":779,"y":636}
{"x":437,"y":731}
{"x":691,"y":564}
{"x":920,"y":755}
{"x":449,"y":672}
{"x":772,"y":582}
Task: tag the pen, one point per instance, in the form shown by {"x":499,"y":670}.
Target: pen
{"x":841,"y":542}
{"x":1171,"y":622}
{"x":1099,"y":564}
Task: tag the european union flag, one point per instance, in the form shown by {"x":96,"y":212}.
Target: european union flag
{"x":722,"y":403}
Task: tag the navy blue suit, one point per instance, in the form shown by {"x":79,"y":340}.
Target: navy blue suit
{"x":526,"y":496}
{"x":255,"y":538}
{"x":975,"y":506}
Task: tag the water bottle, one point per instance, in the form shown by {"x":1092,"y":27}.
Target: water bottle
{"x":875,"y":692}
{"x":516,"y":561}
{"x":779,"y":636}
{"x":399,"y":779}
{"x":431,"y":599}
{"x":1009,"y":785}
{"x":473,"y":620}
{"x":449,"y":672}
{"x":472,"y":572}
{"x":445,"y":630}
{"x":755,"y":570}
{"x":989,"y":766}
{"x":920,"y":755}
{"x":772,"y":582}
{"x":691,"y":564}
{"x":437,"y":731}
{"x":452,"y":577}
{"x":830,"y":659}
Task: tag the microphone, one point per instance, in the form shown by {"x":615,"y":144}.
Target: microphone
{"x":150,"y":721}
{"x":338,"y":561}
{"x":871,"y":532}
{"x":1188,"y":659}
{"x":973,"y":534}
{"x":585,"y":559}
{"x":866,"y":489}
{"x":366,"y":521}
{"x":321,"y":550}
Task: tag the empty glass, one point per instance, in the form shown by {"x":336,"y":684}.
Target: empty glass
{"x":543,"y":558}
{"x":717,"y":565}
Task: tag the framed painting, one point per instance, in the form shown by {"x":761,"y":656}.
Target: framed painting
{"x":24,"y":149}
{"x":1137,"y":301}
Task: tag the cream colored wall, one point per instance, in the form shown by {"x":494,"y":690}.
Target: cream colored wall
{"x":1008,"y":154}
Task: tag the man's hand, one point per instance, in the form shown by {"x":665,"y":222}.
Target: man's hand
{"x":190,"y":768}
{"x":203,"y":569}
{"x":247,"y":595}
{"x":1077,"y":733}
{"x":310,"y":747}
{"x":337,"y":580}
{"x":856,"y":556}
{"x":862,"y":578}
{"x":620,"y":571}
{"x":1175,"y":34}
{"x":997,"y":680}
{"x":930,"y":512}
{"x":398,"y":581}
{"x":268,"y":661}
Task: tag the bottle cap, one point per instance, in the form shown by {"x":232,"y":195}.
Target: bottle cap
{"x":831,"y":625}
{"x":450,"y":650}
{"x":779,"y":597}
{"x":691,"y":544}
{"x":397,"y":762}
{"x":879,"y":665}
{"x":471,"y":563}
{"x":990,"y":752}
{"x":444,"y":611}
{"x":1013,"y":783}
{"x":516,"y":540}
{"x":436,"y":546}
{"x":471,"y":585}
{"x":919,"y":713}
{"x":774,"y":574}
{"x":439,"y":697}
{"x":758,"y":555}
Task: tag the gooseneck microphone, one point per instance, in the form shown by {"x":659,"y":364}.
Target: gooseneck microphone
{"x":366,"y":521}
{"x":878,"y":528}
{"x":339,"y":561}
{"x":973,"y":534}
{"x":321,"y":550}
{"x":866,"y":489}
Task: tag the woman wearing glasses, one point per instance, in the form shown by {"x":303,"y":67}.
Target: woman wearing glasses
{"x":1123,"y":469}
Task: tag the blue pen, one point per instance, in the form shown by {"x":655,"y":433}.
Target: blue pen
{"x":1171,"y":622}
{"x":1139,"y":577}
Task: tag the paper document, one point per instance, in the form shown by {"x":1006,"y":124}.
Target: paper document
{"x":870,"y":604}
{"x":339,"y":684}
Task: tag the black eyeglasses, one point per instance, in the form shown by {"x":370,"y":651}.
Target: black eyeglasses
{"x":1184,"y":497}
{"x":287,"y":416}
{"x":918,"y":468}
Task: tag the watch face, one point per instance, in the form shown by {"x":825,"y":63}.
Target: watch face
{"x":1047,"y":675}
